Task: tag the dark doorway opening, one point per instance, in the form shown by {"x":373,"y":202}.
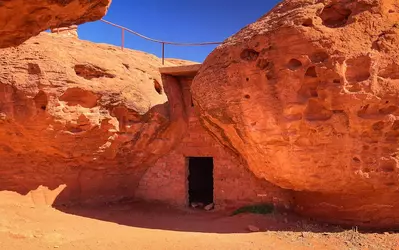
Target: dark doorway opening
{"x":200,"y":180}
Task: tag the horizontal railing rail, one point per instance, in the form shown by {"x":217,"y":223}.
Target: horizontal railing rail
{"x":163,"y":43}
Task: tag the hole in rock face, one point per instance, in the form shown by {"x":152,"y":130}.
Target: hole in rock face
{"x":263,"y":64}
{"x":41,"y":100}
{"x":311,"y":72}
{"x":366,"y":170}
{"x":247,"y":96}
{"x":335,"y":15}
{"x":319,"y":57}
{"x":315,"y":111}
{"x":89,"y":71}
{"x":75,"y":130}
{"x":247,"y":79}
{"x":337,"y":81}
{"x":33,"y":69}
{"x":78,"y":96}
{"x":356,"y":159}
{"x":294,"y":64}
{"x":358,"y":69}
{"x":158,"y":87}
{"x":308,"y":90}
{"x":308,"y":22}
{"x":249,"y":55}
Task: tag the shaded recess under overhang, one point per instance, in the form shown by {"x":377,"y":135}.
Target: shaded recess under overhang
{"x":185,"y":70}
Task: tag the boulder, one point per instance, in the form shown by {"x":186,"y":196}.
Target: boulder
{"x":20,"y":19}
{"x":309,"y":96}
{"x":83,"y":120}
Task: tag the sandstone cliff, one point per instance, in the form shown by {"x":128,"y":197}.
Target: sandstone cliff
{"x":20,"y":19}
{"x":308,"y":95}
{"x":82,"y":119}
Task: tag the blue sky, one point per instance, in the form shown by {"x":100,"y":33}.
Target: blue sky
{"x":175,"y":20}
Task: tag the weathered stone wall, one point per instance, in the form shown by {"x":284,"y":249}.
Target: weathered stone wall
{"x":234,"y":184}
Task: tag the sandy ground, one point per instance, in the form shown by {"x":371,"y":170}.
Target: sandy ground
{"x":25,"y":225}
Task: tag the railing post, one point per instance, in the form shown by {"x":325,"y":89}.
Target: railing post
{"x":163,"y":53}
{"x":123,"y":39}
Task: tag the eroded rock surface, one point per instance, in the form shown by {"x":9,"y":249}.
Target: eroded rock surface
{"x":82,"y":119}
{"x":308,"y":95}
{"x":20,"y":19}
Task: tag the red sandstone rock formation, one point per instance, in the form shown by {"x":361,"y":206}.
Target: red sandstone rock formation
{"x":308,"y":95}
{"x":82,"y":119}
{"x":70,"y":31}
{"x":20,"y":20}
{"x":180,"y":62}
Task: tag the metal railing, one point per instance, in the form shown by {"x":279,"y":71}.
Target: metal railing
{"x":155,"y":40}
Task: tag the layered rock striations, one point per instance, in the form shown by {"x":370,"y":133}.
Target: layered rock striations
{"x":85,"y":120}
{"x":309,"y":96}
{"x":20,"y":20}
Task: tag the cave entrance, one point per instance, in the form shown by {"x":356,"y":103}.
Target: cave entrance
{"x":200,"y":180}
